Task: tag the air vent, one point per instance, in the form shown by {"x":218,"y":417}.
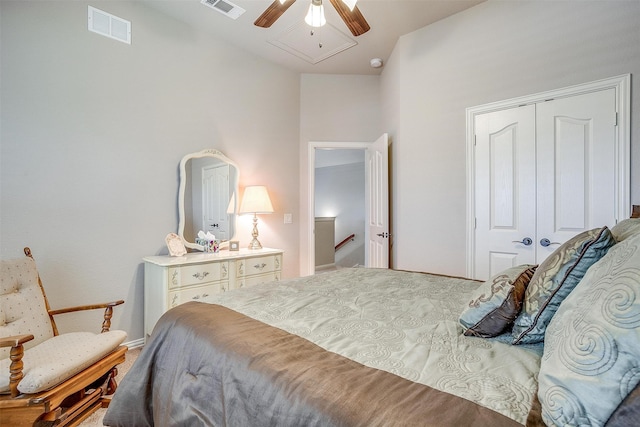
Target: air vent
{"x":109,"y":25}
{"x":225,"y":7}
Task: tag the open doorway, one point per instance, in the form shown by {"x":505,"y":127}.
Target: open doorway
{"x":376,"y":200}
{"x":339,"y":194}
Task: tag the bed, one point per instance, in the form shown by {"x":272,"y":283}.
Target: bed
{"x":554,"y":344}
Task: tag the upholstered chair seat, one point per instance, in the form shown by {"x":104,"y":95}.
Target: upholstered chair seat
{"x":59,"y":358}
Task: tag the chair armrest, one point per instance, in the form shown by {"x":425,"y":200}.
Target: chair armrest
{"x":85,"y":307}
{"x":108,"y":312}
{"x":15,"y":340}
{"x":17,"y":351}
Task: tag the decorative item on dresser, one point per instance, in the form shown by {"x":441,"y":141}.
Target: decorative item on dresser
{"x":171,"y":281}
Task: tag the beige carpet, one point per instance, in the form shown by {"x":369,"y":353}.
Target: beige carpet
{"x":95,"y":420}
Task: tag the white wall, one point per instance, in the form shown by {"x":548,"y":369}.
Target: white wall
{"x":333,"y":108}
{"x":92,"y":134}
{"x":494,"y":51}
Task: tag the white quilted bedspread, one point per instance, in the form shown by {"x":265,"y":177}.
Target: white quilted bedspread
{"x":400,"y":322}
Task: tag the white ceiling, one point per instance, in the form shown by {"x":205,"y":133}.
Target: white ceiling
{"x":341,"y":53}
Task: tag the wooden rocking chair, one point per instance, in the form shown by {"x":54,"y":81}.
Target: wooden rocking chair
{"x":50,"y":379}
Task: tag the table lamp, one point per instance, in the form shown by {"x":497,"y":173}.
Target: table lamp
{"x":255,"y":200}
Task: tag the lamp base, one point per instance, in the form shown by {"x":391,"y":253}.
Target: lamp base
{"x":255,"y":243}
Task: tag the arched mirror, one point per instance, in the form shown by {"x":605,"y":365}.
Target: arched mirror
{"x":208,"y":196}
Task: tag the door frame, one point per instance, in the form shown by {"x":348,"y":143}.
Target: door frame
{"x":313,"y":145}
{"x":621,"y":84}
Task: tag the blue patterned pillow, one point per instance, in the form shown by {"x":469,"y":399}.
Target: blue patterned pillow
{"x":591,"y":358}
{"x":555,"y":278}
{"x":497,"y":302}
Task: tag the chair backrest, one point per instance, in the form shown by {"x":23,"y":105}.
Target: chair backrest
{"x":23,"y":306}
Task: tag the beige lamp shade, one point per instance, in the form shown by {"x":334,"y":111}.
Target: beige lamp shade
{"x":256,"y":200}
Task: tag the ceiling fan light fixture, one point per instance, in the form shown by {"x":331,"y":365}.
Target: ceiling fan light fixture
{"x":350,"y":4}
{"x":315,"y":16}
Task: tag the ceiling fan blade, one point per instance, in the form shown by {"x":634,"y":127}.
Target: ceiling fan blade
{"x":353,"y":18}
{"x":272,"y":13}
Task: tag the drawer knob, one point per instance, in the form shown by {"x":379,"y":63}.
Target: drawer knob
{"x":260,"y":266}
{"x":201,"y":276}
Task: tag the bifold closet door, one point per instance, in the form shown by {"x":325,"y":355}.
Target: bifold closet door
{"x":544,"y":173}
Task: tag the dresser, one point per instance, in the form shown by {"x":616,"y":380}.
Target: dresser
{"x":170,"y":281}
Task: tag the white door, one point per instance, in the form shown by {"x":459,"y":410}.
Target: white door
{"x":576,"y":172}
{"x":505,"y":185}
{"x":215,"y":191}
{"x":377,"y":197}
{"x":544,"y":172}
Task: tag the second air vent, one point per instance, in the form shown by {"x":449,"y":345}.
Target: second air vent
{"x":225,"y":7}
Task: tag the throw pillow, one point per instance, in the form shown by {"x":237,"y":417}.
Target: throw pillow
{"x":554,"y":279}
{"x":628,"y":412}
{"x":497,"y":302}
{"x":626,"y":228}
{"x":591,"y":358}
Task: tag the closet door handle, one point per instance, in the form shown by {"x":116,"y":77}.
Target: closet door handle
{"x":546,"y":242}
{"x":526,"y":241}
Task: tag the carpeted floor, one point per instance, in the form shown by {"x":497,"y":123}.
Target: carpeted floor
{"x":95,"y":420}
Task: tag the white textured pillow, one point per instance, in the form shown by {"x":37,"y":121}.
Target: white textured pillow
{"x":59,"y":358}
{"x":591,"y":357}
{"x":626,"y":228}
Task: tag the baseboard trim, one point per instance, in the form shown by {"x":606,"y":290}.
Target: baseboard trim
{"x":135,"y":343}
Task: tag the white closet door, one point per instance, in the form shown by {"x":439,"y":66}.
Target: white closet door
{"x":545,"y":172}
{"x":576,"y":166}
{"x":505,"y":190}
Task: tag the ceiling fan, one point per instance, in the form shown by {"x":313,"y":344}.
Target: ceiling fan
{"x":347,"y":10}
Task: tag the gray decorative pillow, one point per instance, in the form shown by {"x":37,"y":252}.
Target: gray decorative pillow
{"x":626,"y":228}
{"x":628,"y":412}
{"x":554,"y":279}
{"x":591,"y":358}
{"x":497,"y":302}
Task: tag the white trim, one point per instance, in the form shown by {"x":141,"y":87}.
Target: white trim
{"x":622,"y":86}
{"x":135,"y":343}
{"x":311,"y":260}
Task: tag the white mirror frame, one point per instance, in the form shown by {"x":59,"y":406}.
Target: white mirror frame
{"x":183,"y":182}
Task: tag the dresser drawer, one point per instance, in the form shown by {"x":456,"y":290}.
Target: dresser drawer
{"x":188,"y":275}
{"x":257,"y":265}
{"x":257,"y":279}
{"x":196,"y":293}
